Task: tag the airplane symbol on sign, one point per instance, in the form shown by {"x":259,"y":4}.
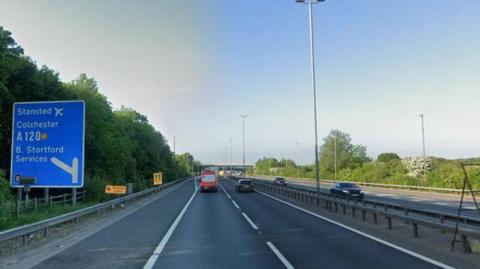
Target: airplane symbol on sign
{"x":58,"y":111}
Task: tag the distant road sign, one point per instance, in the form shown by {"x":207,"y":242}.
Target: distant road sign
{"x":48,"y":144}
{"x":157,"y":178}
{"x":116,"y":189}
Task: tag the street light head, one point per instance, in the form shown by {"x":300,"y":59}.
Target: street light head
{"x":309,"y":1}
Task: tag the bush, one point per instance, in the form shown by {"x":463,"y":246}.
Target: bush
{"x":7,"y":201}
{"x":387,"y":157}
{"x":95,"y":188}
{"x":140,"y":185}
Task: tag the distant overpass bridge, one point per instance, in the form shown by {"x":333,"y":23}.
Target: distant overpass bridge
{"x":227,"y":166}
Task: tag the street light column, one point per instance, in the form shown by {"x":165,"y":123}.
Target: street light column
{"x":298,"y":160}
{"x":230,"y":144}
{"x":243,"y":128}
{"x":312,"y":62}
{"x":423,"y":150}
{"x":335,"y":154}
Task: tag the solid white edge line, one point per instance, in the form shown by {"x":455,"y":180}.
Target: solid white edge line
{"x":414,"y":254}
{"x":250,"y":221}
{"x":151,"y":261}
{"x":280,"y":255}
{"x":235,"y":204}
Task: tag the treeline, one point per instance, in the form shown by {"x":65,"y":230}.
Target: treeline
{"x":120,"y":145}
{"x":353,"y":164}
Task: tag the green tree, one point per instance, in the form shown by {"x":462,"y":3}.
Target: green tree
{"x":186,"y":164}
{"x":7,"y":204}
{"x":347,"y":154}
{"x":387,"y":157}
{"x":120,"y":146}
{"x":264,"y":165}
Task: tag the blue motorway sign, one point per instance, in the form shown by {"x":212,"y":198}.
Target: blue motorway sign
{"x":48,"y":144}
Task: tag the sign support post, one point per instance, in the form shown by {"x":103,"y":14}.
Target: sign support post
{"x":46,"y":193}
{"x":74,"y":196}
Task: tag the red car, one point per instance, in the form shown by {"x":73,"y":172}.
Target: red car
{"x":208,"y":181}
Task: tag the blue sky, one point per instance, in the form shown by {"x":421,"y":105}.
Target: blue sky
{"x":194,"y":66}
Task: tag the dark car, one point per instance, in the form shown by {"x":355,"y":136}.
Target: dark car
{"x":347,"y":189}
{"x":280,"y":181}
{"x":244,"y":185}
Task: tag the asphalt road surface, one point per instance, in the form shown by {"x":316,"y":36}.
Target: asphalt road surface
{"x":443,"y":203}
{"x":188,"y":229}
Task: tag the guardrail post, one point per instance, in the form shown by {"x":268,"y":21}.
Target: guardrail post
{"x":465,"y":247}
{"x":364,"y":218}
{"x":344,"y":209}
{"x":25,"y":239}
{"x":45,"y":232}
{"x":318,"y":202}
{"x":35,"y":204}
{"x":415,"y":229}
{"x":389,"y":222}
{"x":64,"y":200}
{"x":375,"y":220}
{"x":336,"y":208}
{"x":50,"y":201}
{"x":442,"y":220}
{"x":353,"y":212}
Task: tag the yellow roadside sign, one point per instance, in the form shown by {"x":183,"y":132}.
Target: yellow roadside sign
{"x":116,"y":189}
{"x":157,"y":178}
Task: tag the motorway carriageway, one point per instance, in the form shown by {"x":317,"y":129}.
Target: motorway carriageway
{"x":189,"y":229}
{"x":443,"y":203}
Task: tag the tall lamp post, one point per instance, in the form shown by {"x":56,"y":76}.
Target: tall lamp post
{"x":173,"y":145}
{"x":230,"y":144}
{"x":312,"y":62}
{"x":298,"y":160}
{"x":243,"y":128}
{"x":335,"y":154}
{"x":423,"y":151}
